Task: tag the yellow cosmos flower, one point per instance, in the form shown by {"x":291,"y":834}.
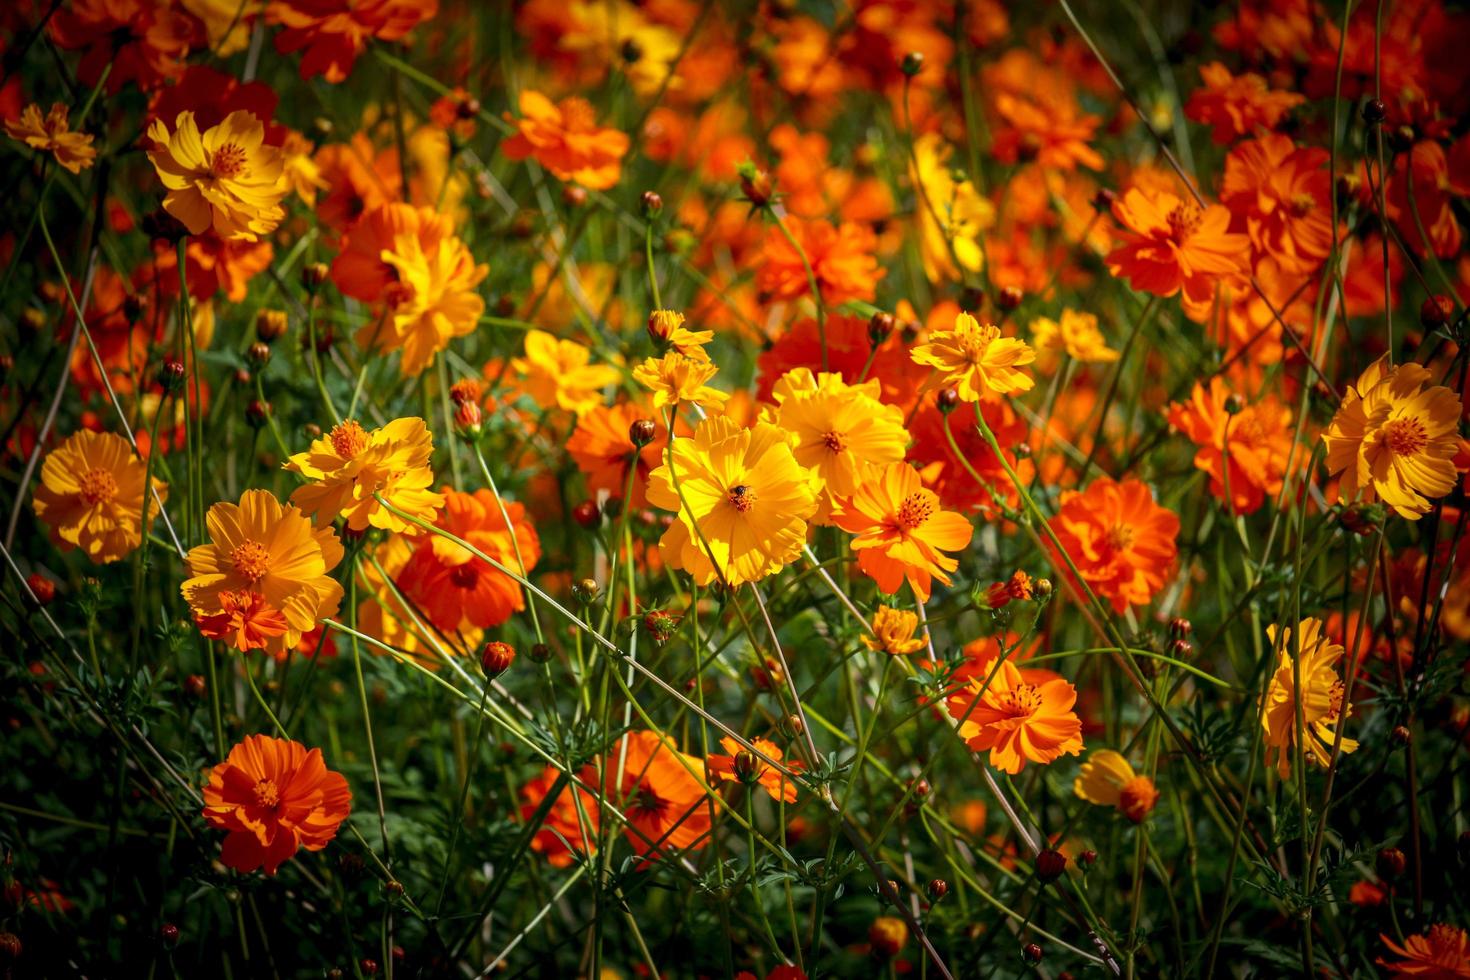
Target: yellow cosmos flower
{"x":893,"y":632}
{"x":435,"y":300}
{"x":299,"y":169}
{"x":676,"y":378}
{"x":1107,"y":779}
{"x":976,"y":360}
{"x":744,"y":497}
{"x":667,"y":329}
{"x":53,"y":135}
{"x":1307,"y":654}
{"x":91,"y":496}
{"x":227,"y":23}
{"x":261,"y":548}
{"x":557,"y":373}
{"x":952,"y":213}
{"x":228,"y":179}
{"x":840,"y":431}
{"x":1077,"y":336}
{"x":349,"y":465}
{"x":1395,"y":438}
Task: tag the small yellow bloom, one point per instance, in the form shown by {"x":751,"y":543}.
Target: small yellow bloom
{"x":91,"y":496}
{"x":976,"y":360}
{"x":893,"y":632}
{"x":952,"y":213}
{"x":227,"y":23}
{"x":676,"y":378}
{"x":1107,"y":779}
{"x":557,"y":373}
{"x":1309,"y":654}
{"x":300,"y":171}
{"x":227,"y":179}
{"x":53,"y":135}
{"x":667,"y":329}
{"x":349,"y":465}
{"x":1394,"y":438}
{"x":1077,"y":336}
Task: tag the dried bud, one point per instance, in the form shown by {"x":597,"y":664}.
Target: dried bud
{"x":171,"y":375}
{"x":540,"y":653}
{"x":1031,"y":952}
{"x":1180,"y":628}
{"x":168,"y":934}
{"x":1050,"y":864}
{"x":258,"y":354}
{"x":1374,"y":112}
{"x":258,"y":412}
{"x":469,"y":420}
{"x":912,"y":63}
{"x":313,"y":275}
{"x":1401,"y":735}
{"x":496,"y":658}
{"x":642,"y":432}
{"x":1435,"y":312}
{"x":573,"y":196}
{"x":1009,"y":298}
{"x":1391,"y":863}
{"x":937,"y":889}
{"x":880,"y":325}
{"x":587,"y":515}
{"x":652,"y":203}
{"x":41,"y":587}
{"x":948,"y":400}
{"x":195,"y":687}
{"x":888,"y":935}
{"x":585,"y":590}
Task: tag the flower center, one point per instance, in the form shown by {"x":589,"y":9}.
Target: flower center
{"x":1183,"y":222}
{"x":915,"y":509}
{"x":251,"y":560}
{"x":974,"y":341}
{"x":577,"y":115}
{"x":98,"y":487}
{"x":267,"y":795}
{"x":1405,"y":436}
{"x":397,"y":295}
{"x":741,"y":497}
{"x":647,"y":800}
{"x":1021,"y":700}
{"x":348,"y":439}
{"x":834,"y":441}
{"x":465,"y":576}
{"x":1302,"y":203}
{"x":1120,"y":538}
{"x":229,"y":161}
{"x":1443,"y":938}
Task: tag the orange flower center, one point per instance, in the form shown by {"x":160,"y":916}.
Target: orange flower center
{"x":834,"y":441}
{"x":348,"y":439}
{"x":267,"y":795}
{"x":1302,"y":203}
{"x":1120,"y":538}
{"x":1405,"y":436}
{"x":228,"y":161}
{"x":1183,"y":222}
{"x":251,"y":560}
{"x":98,"y":487}
{"x":1020,"y":701}
{"x":741,"y":497}
{"x":1444,"y":938}
{"x":915,"y":510}
{"x":648,"y":801}
{"x":465,"y":576}
{"x":577,"y":115}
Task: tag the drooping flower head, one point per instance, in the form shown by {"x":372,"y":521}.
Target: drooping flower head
{"x":741,"y":494}
{"x":1107,"y":779}
{"x":52,"y":134}
{"x":227,"y":179}
{"x":902,"y":533}
{"x":1309,"y":654}
{"x":350,"y":466}
{"x":976,"y":360}
{"x":1016,"y":718}
{"x":1123,"y":543}
{"x":273,"y":797}
{"x":91,"y":496}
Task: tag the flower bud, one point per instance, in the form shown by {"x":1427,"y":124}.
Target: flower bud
{"x":464,"y":390}
{"x":1041,"y":588}
{"x":258,"y":354}
{"x":642,"y":432}
{"x":631,"y":51}
{"x":171,"y":375}
{"x":587,"y":515}
{"x":469,"y":420}
{"x":1234,"y":405}
{"x":1435,"y":312}
{"x":1180,"y":628}
{"x":573,"y":196}
{"x":393,"y":888}
{"x":540,"y":653}
{"x":1374,"y":112}
{"x":41,"y":587}
{"x":496,"y":658}
{"x":1104,"y":198}
{"x":756,"y":185}
{"x":1009,"y":298}
{"x":133,"y":306}
{"x":33,"y":319}
{"x":652,"y":203}
{"x":168,"y":934}
{"x":662,"y":324}
{"x":1050,"y":864}
{"x":1391,"y":863}
{"x":948,"y":400}
{"x":368,"y":966}
{"x":258,"y":412}
{"x":912,"y":63}
{"x":747,"y":767}
{"x":1087,"y":859}
{"x":1031,"y":952}
{"x":660,"y":625}
{"x":1401,"y":735}
{"x":195,"y":687}
{"x":937,"y":889}
{"x":585,"y":590}
{"x":314,"y":274}
{"x":10,"y":948}
{"x":880,"y":325}
{"x":1181,"y":649}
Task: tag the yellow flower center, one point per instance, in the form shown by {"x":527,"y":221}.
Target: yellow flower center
{"x":1120,"y":538}
{"x":98,"y":487}
{"x":228,"y":161}
{"x":251,"y":560}
{"x":267,"y":795}
{"x":741,"y":497}
{"x":1023,"y":699}
{"x":834,"y":441}
{"x":1405,"y":436}
{"x":915,"y":510}
{"x":975,"y":341}
{"x":1183,"y":222}
{"x":348,"y":439}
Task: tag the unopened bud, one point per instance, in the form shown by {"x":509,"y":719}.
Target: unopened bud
{"x":313,"y":275}
{"x":642,"y":432}
{"x":41,"y":587}
{"x":1009,"y":298}
{"x":496,"y":658}
{"x":880,"y":325}
{"x":1050,"y":864}
{"x":948,"y":400}
{"x":652,"y":203}
{"x":585,"y":590}
{"x":587,"y":514}
{"x":912,"y":63}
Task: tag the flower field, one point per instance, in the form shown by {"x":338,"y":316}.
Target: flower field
{"x":763,"y":489}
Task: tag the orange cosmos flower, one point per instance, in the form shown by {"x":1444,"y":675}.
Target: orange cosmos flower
{"x":357,"y":179}
{"x":565,"y":139}
{"x":1054,"y":134}
{"x":1436,"y":178}
{"x":1442,"y":953}
{"x":945,"y":474}
{"x":1256,"y":439}
{"x":349,"y":467}
{"x":665,"y":805}
{"x":1278,"y":193}
{"x":1305,"y":682}
{"x":456,"y":590}
{"x":1107,"y":779}
{"x":409,"y":261}
{"x":227,"y":178}
{"x":1395,"y":438}
{"x":53,"y":135}
{"x":893,"y":632}
{"x":559,"y":374}
{"x":273,"y":796}
{"x":335,"y":33}
{"x":742,"y":766}
{"x":570,"y":825}
{"x":144,"y":41}
{"x":259,"y":546}
{"x":976,"y":360}
{"x":1237,"y":105}
{"x":91,"y":496}
{"x":841,"y":260}
{"x":604,"y":451}
{"x":1015,"y":718}
{"x":246,"y":622}
{"x":1170,"y":245}
{"x":901,"y":531}
{"x":1122,"y":543}
{"x":848,"y":350}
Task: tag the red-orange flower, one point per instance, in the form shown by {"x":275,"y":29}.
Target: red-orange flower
{"x":841,"y":260}
{"x":274,"y":796}
{"x":604,"y":452}
{"x":1016,"y":718}
{"x":335,"y":33}
{"x":1279,"y":195}
{"x":1256,"y":439}
{"x":1121,"y":541}
{"x":742,"y":766}
{"x":570,"y":823}
{"x":564,"y":138}
{"x":666,"y":806}
{"x":143,"y":41}
{"x":1442,"y":953}
{"x":1237,"y":105}
{"x":1170,"y":245}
